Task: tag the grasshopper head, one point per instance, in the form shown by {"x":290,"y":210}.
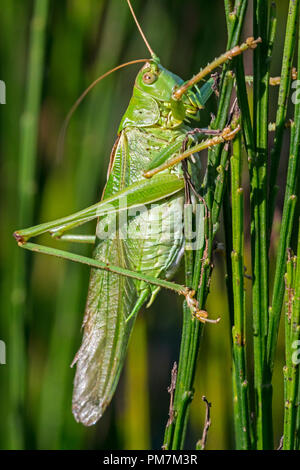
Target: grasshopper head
{"x":158,"y":82}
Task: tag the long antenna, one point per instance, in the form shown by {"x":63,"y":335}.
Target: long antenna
{"x":140,"y":30}
{"x":64,"y":128}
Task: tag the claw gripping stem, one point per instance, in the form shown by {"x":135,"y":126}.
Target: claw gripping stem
{"x":193,"y":304}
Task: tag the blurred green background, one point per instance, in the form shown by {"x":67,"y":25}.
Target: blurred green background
{"x":42,"y":299}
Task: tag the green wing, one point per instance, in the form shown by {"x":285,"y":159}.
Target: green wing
{"x":106,"y":334}
{"x":112,"y":299}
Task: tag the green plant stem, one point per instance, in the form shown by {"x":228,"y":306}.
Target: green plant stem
{"x":227,"y":218}
{"x":221,"y":185}
{"x":26,"y":187}
{"x":258,"y":199}
{"x":257,"y":170}
{"x":291,"y":370}
{"x":288,"y":214}
{"x":238,"y":330}
{"x":297,"y":440}
{"x":235,"y":14}
{"x":175,"y":432}
{"x":284,"y":88}
{"x":191,"y":329}
{"x":198,"y":271}
{"x":229,"y":7}
{"x":289,"y":295}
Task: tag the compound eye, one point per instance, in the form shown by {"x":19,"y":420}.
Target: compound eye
{"x":149,"y":78}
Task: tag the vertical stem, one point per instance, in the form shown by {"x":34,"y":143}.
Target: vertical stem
{"x":238,"y":330}
{"x":284,"y":88}
{"x":227,"y":217}
{"x":297,"y":433}
{"x":291,"y":370}
{"x":26,"y":186}
{"x":229,"y":8}
{"x":234,"y":12}
{"x":175,"y":432}
{"x":258,"y":176}
{"x":285,"y":230}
